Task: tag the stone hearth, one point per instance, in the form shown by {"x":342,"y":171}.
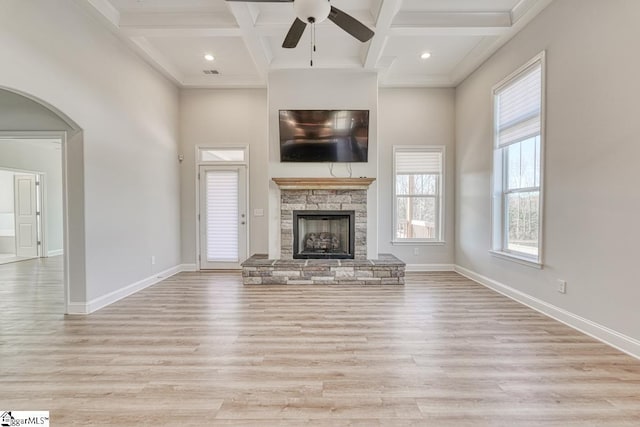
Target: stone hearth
{"x":387,"y":270}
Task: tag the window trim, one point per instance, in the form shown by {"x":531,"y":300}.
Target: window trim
{"x":439,"y":240}
{"x":498,"y":222}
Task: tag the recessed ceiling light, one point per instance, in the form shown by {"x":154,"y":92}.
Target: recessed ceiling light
{"x":425,"y":55}
{"x":209,"y":57}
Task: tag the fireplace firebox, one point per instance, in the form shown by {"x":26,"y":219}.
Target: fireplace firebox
{"x":323,"y":234}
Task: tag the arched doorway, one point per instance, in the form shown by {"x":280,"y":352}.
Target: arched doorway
{"x":24,"y":117}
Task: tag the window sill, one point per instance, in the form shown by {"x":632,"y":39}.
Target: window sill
{"x":517,"y":259}
{"x":418,"y":242}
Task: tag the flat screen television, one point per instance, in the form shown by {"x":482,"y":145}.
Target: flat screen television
{"x":324,"y":135}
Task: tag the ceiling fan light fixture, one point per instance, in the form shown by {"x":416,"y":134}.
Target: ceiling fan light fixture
{"x":312,"y":11}
{"x":209,"y":57}
{"x":425,"y":55}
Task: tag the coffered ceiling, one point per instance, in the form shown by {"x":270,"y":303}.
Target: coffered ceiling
{"x":246,"y":38}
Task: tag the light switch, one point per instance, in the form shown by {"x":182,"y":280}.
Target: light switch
{"x":258,"y":212}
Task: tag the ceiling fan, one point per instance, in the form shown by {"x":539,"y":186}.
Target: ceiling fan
{"x":314,"y":12}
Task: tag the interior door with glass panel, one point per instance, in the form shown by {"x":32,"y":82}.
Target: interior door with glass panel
{"x":223,"y":217}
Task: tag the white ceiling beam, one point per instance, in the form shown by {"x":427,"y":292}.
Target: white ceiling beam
{"x":285,"y":20}
{"x":280,"y":30}
{"x":523,"y":7}
{"x":177,"y":20}
{"x":386,"y":14}
{"x":181,"y":32}
{"x":106,"y":9}
{"x":453,"y":19}
{"x":407,"y":80}
{"x":342,"y":63}
{"x":219,"y":81}
{"x":139,"y":45}
{"x":420,"y":24}
{"x":384,"y":66}
{"x":179,"y":25}
{"x":260,"y":53}
{"x":446,"y":31}
{"x":163,"y":64}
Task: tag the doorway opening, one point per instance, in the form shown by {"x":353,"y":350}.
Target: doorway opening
{"x":32,"y":206}
{"x":223,"y":223}
{"x":31,"y":199}
{"x":25,"y":118}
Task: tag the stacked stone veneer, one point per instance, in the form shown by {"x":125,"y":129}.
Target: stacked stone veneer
{"x":331,"y":200}
{"x":387,"y":270}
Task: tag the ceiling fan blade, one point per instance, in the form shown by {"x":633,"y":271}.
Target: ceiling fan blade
{"x":350,"y":24}
{"x":294,"y":34}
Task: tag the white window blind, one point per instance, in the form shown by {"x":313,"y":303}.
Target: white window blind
{"x":222,"y":215}
{"x":519,"y":107}
{"x":517,"y":213}
{"x":418,"y":162}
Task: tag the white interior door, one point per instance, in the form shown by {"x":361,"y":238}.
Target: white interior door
{"x":223,"y":217}
{"x":26,"y":215}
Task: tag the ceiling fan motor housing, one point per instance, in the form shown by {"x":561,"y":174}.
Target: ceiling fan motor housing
{"x":312,"y":11}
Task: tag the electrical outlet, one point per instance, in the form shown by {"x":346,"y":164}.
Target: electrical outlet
{"x":153,"y":260}
{"x":416,"y":251}
{"x":562,"y":286}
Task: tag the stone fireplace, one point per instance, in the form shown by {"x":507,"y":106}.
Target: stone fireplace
{"x":348,"y":195}
{"x":323,"y":238}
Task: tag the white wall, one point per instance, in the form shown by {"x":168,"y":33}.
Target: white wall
{"x":416,"y":116}
{"x":591,"y":201}
{"x":224,"y":117}
{"x":44,"y":157}
{"x":322,"y":90}
{"x":61,"y":53}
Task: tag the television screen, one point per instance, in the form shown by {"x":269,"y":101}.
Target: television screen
{"x":324,"y":135}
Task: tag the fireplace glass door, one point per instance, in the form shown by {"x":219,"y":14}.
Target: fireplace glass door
{"x":323,"y":234}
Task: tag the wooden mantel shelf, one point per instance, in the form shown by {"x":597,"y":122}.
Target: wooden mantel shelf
{"x":323,"y":183}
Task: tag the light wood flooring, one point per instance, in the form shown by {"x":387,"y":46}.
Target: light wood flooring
{"x":201,"y":349}
{"x":9,"y":258}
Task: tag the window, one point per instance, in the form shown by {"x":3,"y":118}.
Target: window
{"x":517,"y":164}
{"x":418,"y":176}
{"x":222,"y":155}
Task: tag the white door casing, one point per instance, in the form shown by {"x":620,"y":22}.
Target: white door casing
{"x":223,"y":217}
{"x":26,"y":217}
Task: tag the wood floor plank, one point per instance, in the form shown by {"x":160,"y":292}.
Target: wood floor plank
{"x":205,"y":350}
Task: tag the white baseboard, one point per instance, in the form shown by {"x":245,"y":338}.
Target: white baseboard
{"x":105,"y":300}
{"x":188,"y":267}
{"x":55,"y":252}
{"x":429,"y":267}
{"x":608,"y":336}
